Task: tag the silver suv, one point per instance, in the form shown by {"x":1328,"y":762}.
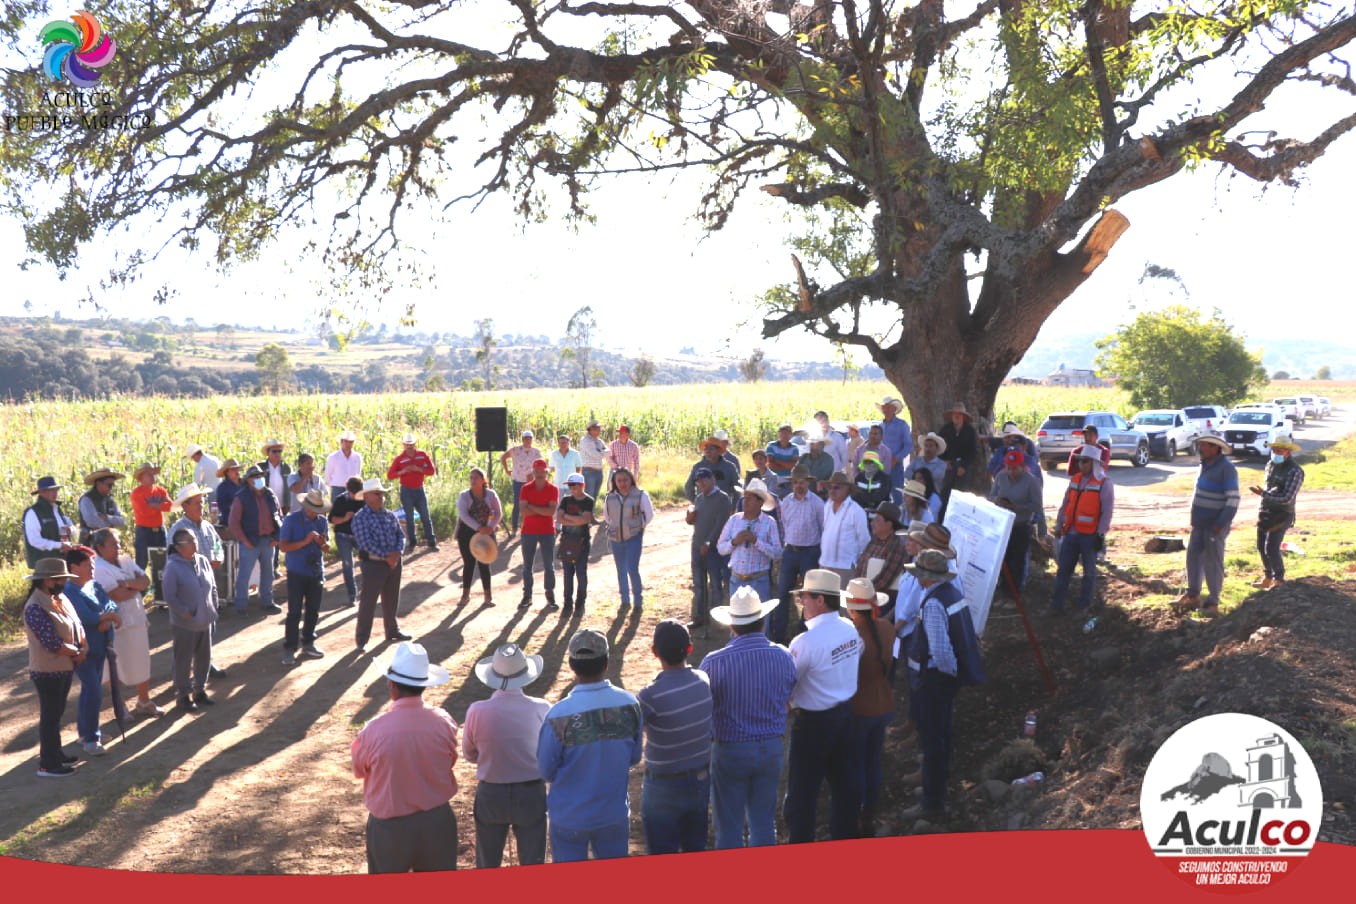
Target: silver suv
{"x":1062,"y":432}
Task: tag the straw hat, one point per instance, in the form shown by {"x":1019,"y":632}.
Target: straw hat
{"x":316,"y":502}
{"x":758,"y":488}
{"x":822,"y":581}
{"x":410,"y":665}
{"x":1218,"y":441}
{"x":508,"y":668}
{"x":145,"y":466}
{"x":192,"y":450}
{"x":915,"y":489}
{"x":890,"y":402}
{"x":941,"y":443}
{"x":959,"y":408}
{"x":484,"y":549}
{"x":228,"y":465}
{"x":1285,"y":445}
{"x":859,"y":594}
{"x":94,"y":477}
{"x":745,"y":607}
{"x":188,"y":492}
{"x":272,"y":444}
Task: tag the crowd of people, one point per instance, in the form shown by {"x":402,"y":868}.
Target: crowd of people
{"x":849,"y":526}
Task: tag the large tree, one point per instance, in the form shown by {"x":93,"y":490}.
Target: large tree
{"x":954,"y":167}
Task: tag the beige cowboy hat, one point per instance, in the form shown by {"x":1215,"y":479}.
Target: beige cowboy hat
{"x":934,"y":536}
{"x":759,"y":488}
{"x":188,"y":492}
{"x":229,"y":464}
{"x":915,"y":489}
{"x":145,"y":466}
{"x":932,"y":565}
{"x":508,"y":668}
{"x":373,"y":485}
{"x":56,"y":568}
{"x":316,"y":501}
{"x":484,"y":549}
{"x":821,"y":581}
{"x":192,"y":450}
{"x":745,"y":607}
{"x":941,"y":443}
{"x":890,"y":402}
{"x":1285,"y":445}
{"x":272,"y":444}
{"x":410,"y":666}
{"x":859,"y":594}
{"x":94,"y":477}
{"x":1217,"y":441}
{"x":959,"y":408}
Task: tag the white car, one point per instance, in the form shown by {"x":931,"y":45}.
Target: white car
{"x":1251,"y":431}
{"x":1206,"y":418}
{"x":1292,"y":408}
{"x":1169,"y":430}
{"x":1324,"y":406}
{"x":1311,"y":407}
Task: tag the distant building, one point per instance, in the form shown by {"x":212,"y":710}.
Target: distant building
{"x":1072,"y":376}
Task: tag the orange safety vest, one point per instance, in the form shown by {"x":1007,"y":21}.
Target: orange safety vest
{"x":1082,"y":507}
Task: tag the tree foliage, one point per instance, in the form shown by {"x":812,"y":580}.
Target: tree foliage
{"x":485,"y":346}
{"x":1174,"y":358}
{"x":579,"y":337}
{"x":754,"y":367}
{"x":642,"y":372}
{"x":1324,"y":372}
{"x":275,"y":368}
{"x":954,"y":168}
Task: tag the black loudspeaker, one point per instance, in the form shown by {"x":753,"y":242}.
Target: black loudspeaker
{"x":491,"y":429}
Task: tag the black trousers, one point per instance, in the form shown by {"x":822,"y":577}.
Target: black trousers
{"x":469,"y":564}
{"x":52,"y":694}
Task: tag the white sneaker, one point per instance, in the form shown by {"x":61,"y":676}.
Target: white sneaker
{"x":94,"y":748}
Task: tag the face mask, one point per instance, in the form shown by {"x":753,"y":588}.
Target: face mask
{"x":1277,"y":458}
{"x":257,"y":482}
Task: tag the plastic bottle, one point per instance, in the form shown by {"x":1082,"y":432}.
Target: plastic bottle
{"x":1295,"y":549}
{"x":1029,"y":781}
{"x":1090,"y":625}
{"x":1029,"y":726}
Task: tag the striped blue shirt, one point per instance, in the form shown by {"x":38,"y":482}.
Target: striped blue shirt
{"x":677,"y":711}
{"x":378,"y":533}
{"x":751,"y":683}
{"x":1216,"y":498}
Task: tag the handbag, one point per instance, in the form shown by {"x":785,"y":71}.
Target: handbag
{"x":570,"y":549}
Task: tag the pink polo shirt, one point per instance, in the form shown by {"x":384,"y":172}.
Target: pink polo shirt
{"x":405,"y":757}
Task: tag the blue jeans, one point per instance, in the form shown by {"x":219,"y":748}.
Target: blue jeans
{"x":820,"y":750}
{"x":626,"y":554}
{"x":763,"y":585}
{"x":547,"y":544}
{"x":569,"y":845}
{"x":416,"y":501}
{"x":146,"y":537}
{"x":263,"y":553}
{"x":796,"y":560}
{"x":346,"y":545}
{"x":593,"y":480}
{"x":1073,"y":548}
{"x":91,"y":675}
{"x":673,"y":812}
{"x":517,"y":501}
{"x":744,"y":779}
{"x":708,"y":582}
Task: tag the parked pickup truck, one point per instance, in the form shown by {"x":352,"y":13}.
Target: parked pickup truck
{"x":1206,"y":418}
{"x":1293,"y":409}
{"x":1251,"y":431}
{"x":1169,"y":430}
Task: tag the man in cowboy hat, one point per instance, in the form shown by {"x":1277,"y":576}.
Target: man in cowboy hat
{"x":518,"y":462}
{"x":676,"y":707}
{"x":56,"y":645}
{"x":98,"y":510}
{"x":47,"y":530}
{"x":1017,"y":491}
{"x":725,"y":452}
{"x":232,"y":485}
{"x":411,"y":467}
{"x":909,"y":598}
{"x":277,"y":473}
{"x":932,"y":447}
{"x":896,"y":436}
{"x":751,"y":681}
{"x":500,"y":737}
{"x":782,"y":454}
{"x":192,"y":500}
{"x":707,"y":515}
{"x":1213,"y":506}
{"x":585,"y":750}
{"x":942,"y":655}
{"x":883,"y":559}
{"x":826,"y":657}
{"x":405,"y":757}
{"x":752,"y":541}
{"x":303,"y":541}
{"x":802,"y":516}
{"x":846,"y":532}
{"x":380,"y":541}
{"x":592,"y":453}
{"x":255,"y":523}
{"x":623,"y":452}
{"x":1276,"y":514}
{"x":342,"y":465}
{"x":1081,"y":524}
{"x":204,"y":467}
{"x":726,"y":477}
{"x":150,"y":501}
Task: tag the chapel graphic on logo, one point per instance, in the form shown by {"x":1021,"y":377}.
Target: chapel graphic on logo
{"x":1228,"y":829}
{"x":76,"y":49}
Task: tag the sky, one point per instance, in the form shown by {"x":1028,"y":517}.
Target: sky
{"x":1238,"y":246}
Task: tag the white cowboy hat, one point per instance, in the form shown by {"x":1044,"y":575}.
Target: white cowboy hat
{"x":188,"y":492}
{"x":890,"y":402}
{"x":348,"y":435}
{"x":410,"y":666}
{"x":758,"y":488}
{"x":941,"y":443}
{"x":484,"y":549}
{"x":508,"y":668}
{"x":821,"y":581}
{"x":373,"y":485}
{"x":192,"y":450}
{"x":863,"y":590}
{"x":271,"y":444}
{"x":745,"y":607}
{"x":408,"y":439}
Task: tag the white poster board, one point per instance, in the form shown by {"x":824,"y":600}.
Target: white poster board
{"x":979,"y":531}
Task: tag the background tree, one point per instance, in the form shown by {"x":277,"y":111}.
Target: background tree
{"x":1281,"y":375}
{"x":753,"y":368}
{"x":1173,"y":358}
{"x":485,"y":345}
{"x":579,"y":336}
{"x":1324,"y":372}
{"x":642,"y":372}
{"x":275,"y":369}
{"x":954,"y":169}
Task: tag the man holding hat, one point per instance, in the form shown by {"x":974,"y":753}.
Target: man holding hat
{"x":518,"y":462}
{"x":883,"y":559}
{"x":592,"y":454}
{"x":304,"y":540}
{"x":896,"y":436}
{"x":380,"y":541}
{"x":150,"y":501}
{"x":56,"y":645}
{"x":751,"y":681}
{"x":98,"y":510}
{"x":943,"y":654}
{"x":405,"y":757}
{"x":676,"y":707}
{"x":1082,"y":523}
{"x":411,"y":467}
{"x":276,"y":473}
{"x":802,"y":515}
{"x":47,"y":530}
{"x":752,"y":541}
{"x":709,"y":511}
{"x":1276,"y":515}
{"x":500,"y":737}
{"x":1213,"y":506}
{"x":342,"y":465}
{"x":826,"y":657}
{"x":204,"y":467}
{"x":1017,"y":491}
{"x":585,"y":750}
{"x":255,"y":522}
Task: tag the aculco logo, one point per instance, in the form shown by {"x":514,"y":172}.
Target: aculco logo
{"x":1230,"y":802}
